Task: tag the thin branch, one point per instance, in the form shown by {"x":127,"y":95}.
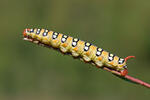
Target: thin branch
{"x":128,"y":78}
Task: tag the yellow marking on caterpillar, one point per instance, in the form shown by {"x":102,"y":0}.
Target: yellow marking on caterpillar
{"x":87,"y":53}
{"x":75,"y":49}
{"x":64,"y":45}
{"x":100,"y":58}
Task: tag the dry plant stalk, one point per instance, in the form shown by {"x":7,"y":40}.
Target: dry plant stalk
{"x":128,"y":78}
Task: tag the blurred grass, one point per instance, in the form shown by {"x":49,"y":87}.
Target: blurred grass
{"x":28,"y":71}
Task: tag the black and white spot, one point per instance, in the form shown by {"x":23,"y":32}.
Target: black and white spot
{"x":38,"y":31}
{"x":99,"y":51}
{"x":74,"y":42}
{"x":31,"y":30}
{"x":64,"y":38}
{"x":55,"y":35}
{"x":87,"y":46}
{"x":120,"y":61}
{"x":111,"y":57}
{"x":125,"y":67}
{"x":45,"y":33}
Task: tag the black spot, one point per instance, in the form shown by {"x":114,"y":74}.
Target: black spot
{"x":64,"y":38}
{"x":45,"y":33}
{"x":38,"y":31}
{"x":121,"y":61}
{"x":74,"y":42}
{"x":111,"y":57}
{"x":55,"y":35}
{"x":99,"y":51}
{"x":87,"y":46}
{"x":125,"y":67}
{"x":31,"y":30}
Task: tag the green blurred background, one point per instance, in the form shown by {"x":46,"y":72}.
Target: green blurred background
{"x":31,"y":72}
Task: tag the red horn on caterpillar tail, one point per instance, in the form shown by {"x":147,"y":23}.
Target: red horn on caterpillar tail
{"x":128,"y":57}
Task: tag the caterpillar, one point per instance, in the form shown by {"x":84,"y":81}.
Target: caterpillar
{"x":86,"y":51}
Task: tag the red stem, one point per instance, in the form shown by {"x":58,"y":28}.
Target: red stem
{"x":137,"y":81}
{"x":129,"y":78}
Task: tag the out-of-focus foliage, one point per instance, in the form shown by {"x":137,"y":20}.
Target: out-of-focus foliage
{"x":31,"y":72}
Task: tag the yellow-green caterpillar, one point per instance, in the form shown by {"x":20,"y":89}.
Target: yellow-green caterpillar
{"x":77,"y":48}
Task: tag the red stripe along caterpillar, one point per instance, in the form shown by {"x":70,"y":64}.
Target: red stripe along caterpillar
{"x":77,"y":48}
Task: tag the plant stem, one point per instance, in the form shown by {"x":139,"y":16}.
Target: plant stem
{"x":132,"y":79}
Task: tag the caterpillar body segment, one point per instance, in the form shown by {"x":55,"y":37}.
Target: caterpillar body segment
{"x":77,"y":48}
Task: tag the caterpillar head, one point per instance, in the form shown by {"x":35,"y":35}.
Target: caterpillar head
{"x":25,"y":32}
{"x":28,"y":35}
{"x":122,"y":67}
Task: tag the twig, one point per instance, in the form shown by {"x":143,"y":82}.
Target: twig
{"x":128,"y":78}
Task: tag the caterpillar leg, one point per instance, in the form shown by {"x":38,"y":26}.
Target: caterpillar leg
{"x":99,"y":64}
{"x":86,"y":58}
